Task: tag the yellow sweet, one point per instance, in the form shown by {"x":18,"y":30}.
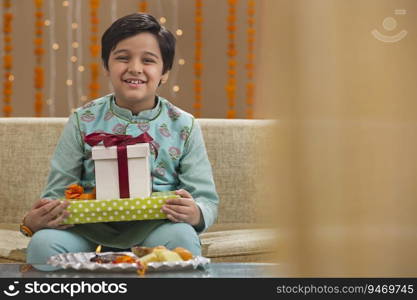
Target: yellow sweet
{"x":160,"y":255}
{"x":184,"y":253}
{"x":167,"y":255}
{"x":151,"y":257}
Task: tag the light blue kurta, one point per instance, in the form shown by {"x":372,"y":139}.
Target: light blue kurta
{"x":182,"y":162}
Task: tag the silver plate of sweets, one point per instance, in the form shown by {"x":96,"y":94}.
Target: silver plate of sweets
{"x":108,"y":261}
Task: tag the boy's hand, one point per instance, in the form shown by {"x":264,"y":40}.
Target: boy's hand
{"x":47,"y":213}
{"x":183,"y":209}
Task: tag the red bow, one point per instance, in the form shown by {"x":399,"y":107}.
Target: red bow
{"x":116,"y":139}
{"x":121,"y":141}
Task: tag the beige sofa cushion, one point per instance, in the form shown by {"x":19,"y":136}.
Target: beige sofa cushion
{"x":13,"y":244}
{"x":237,"y":242}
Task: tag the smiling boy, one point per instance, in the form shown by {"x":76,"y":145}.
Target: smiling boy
{"x":137,"y":54}
{"x":135,"y":69}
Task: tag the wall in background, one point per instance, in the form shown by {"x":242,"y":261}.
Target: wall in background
{"x":178,"y":13}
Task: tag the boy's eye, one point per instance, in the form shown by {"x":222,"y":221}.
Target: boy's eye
{"x":122,"y":58}
{"x":148,"y":60}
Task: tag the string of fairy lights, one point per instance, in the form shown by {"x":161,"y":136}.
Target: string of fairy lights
{"x":71,"y":45}
{"x":181,"y":61}
{"x":70,"y":59}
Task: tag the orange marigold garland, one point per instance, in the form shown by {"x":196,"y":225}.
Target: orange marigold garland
{"x":39,"y":51}
{"x":143,"y":6}
{"x":94,"y":49}
{"x":231,"y":52}
{"x":76,"y":192}
{"x":198,"y":65}
{"x":7,"y":58}
{"x":250,"y":85}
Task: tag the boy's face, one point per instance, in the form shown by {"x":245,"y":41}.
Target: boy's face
{"x":135,"y":70}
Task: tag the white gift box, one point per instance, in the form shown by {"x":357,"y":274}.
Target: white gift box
{"x":107,"y":172}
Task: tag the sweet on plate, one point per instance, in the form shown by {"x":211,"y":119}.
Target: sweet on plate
{"x":142,"y":256}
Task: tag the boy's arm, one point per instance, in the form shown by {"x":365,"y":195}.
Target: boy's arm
{"x":195,"y":176}
{"x":66,"y":162}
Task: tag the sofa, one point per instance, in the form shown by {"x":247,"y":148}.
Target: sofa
{"x":27,"y":144}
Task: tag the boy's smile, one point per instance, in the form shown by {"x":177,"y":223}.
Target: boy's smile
{"x":135,"y":71}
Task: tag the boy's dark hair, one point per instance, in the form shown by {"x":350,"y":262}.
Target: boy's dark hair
{"x":134,"y":24}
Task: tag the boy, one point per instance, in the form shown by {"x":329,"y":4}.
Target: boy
{"x":137,"y":54}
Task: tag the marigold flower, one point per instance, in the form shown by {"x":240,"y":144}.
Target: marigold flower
{"x":39,"y":51}
{"x":231,"y":114}
{"x":74,"y":191}
{"x":39,"y":96}
{"x":232,"y":52}
{"x":38,"y":3}
{"x":94,"y":49}
{"x":94,"y":3}
{"x":94,"y":86}
{"x":197,"y":105}
{"x":8,"y":17}
{"x":8,"y":84}
{"x":198,"y":97}
{"x":231,"y":28}
{"x":38,"y":41}
{"x":8,"y":61}
{"x":7,"y":109}
{"x":231,"y":72}
{"x":249,"y":101}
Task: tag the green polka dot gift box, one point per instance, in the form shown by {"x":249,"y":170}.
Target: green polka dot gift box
{"x":116,"y":210}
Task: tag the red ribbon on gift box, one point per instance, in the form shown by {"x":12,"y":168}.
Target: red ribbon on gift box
{"x":121,"y":141}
